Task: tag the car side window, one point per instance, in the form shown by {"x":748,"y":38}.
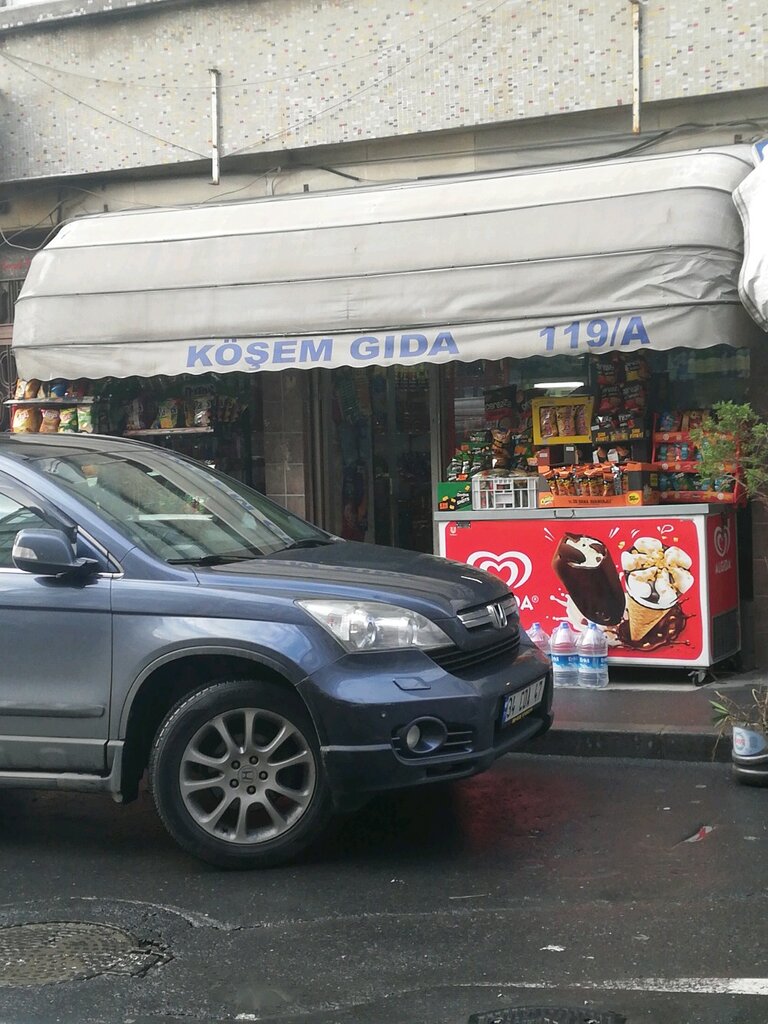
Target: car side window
{"x":14,"y":516}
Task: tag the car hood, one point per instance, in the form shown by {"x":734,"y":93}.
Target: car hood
{"x":367,"y":571}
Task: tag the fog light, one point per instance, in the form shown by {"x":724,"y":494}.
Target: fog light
{"x":423,"y":735}
{"x":412,"y":737}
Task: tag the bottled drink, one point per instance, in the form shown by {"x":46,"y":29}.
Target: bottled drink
{"x":538,"y":636}
{"x":592,"y":647}
{"x":565,"y":659}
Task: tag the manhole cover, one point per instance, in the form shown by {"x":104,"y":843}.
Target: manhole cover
{"x":55,"y":951}
{"x":547,"y":1015}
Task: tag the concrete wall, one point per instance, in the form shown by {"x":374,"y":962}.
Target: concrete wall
{"x":285,"y":404}
{"x":106,"y":88}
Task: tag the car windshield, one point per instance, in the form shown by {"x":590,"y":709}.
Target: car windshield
{"x":178,"y":510}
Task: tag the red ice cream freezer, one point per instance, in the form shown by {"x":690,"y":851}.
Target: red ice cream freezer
{"x":662,"y":583}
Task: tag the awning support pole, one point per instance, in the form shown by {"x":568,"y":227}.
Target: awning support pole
{"x":215,"y":128}
{"x":635,"y":66}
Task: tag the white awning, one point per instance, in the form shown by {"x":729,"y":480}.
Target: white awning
{"x":751,"y":198}
{"x":583,"y":258}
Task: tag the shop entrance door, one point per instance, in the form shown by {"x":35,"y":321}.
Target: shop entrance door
{"x":377,"y":476}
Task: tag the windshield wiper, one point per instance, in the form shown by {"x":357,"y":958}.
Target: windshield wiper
{"x":214,"y":559}
{"x":308,"y":542}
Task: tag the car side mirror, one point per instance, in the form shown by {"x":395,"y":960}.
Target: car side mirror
{"x":49,"y":553}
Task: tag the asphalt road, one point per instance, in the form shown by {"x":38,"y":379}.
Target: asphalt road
{"x":547,"y":882}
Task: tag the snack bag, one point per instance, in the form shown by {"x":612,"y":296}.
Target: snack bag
{"x":636,"y":368}
{"x":695,"y":419}
{"x":610,"y":400}
{"x":669,"y":421}
{"x":202,"y":415}
{"x":21,"y":387}
{"x":582,"y":427}
{"x":566,"y":420}
{"x":608,"y":371}
{"x":50,"y":421}
{"x":134,"y":419}
{"x":32,"y":388}
{"x":85,"y":419}
{"x":68,"y":421}
{"x":168,"y":414}
{"x":25,"y":420}
{"x":567,"y":487}
{"x":627,"y":421}
{"x":634,"y":397}
{"x":548,"y":422}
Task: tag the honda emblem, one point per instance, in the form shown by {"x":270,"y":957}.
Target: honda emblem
{"x":498,"y":615}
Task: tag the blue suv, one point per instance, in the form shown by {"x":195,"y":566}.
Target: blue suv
{"x":158,"y":616}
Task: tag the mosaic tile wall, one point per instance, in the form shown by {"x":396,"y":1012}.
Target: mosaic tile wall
{"x":131,"y":90}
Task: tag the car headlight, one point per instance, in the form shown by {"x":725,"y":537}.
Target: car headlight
{"x":375,"y":626}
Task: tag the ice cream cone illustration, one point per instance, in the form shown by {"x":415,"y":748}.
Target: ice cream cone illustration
{"x":642,"y":619}
{"x":656,"y":578}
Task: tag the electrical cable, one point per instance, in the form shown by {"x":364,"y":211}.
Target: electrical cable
{"x":104,"y":113}
{"x":312,"y":118}
{"x":266,"y":79}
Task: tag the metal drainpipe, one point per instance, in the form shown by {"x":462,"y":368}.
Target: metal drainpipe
{"x":635,"y":66}
{"x":215,"y":128}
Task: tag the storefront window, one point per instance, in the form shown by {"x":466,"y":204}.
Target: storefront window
{"x":488,"y":420}
{"x":377,"y":476}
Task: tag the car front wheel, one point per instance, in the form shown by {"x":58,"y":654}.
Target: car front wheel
{"x":236,"y":775}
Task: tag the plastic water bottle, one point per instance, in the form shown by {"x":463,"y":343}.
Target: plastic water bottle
{"x":538,"y":636}
{"x":565,"y":658}
{"x":592,"y":647}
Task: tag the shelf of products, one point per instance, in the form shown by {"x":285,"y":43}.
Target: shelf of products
{"x":49,"y":403}
{"x":678,"y":461}
{"x":195,"y":417}
{"x":156,"y":431}
{"x":619,"y":437}
{"x":606,"y":447}
{"x":61,"y":407}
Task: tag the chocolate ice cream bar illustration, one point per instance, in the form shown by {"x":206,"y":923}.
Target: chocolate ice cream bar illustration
{"x":586,"y":570}
{"x":656,"y":577}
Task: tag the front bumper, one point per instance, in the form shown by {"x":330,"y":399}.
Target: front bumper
{"x":358,"y":714}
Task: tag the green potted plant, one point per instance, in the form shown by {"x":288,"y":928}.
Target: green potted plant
{"x":733,"y":446}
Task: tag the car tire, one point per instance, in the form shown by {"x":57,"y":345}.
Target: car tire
{"x":236,"y":775}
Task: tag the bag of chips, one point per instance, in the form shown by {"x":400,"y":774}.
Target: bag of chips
{"x":610,"y":399}
{"x":548,"y":422}
{"x":636,"y":368}
{"x":68,"y":421}
{"x":170,"y":413}
{"x":634,"y":397}
{"x":85,"y":419}
{"x":50,"y":421}
{"x":134,"y":415}
{"x":608,"y":371}
{"x":582,"y":427}
{"x":26,"y":420}
{"x":566,"y":420}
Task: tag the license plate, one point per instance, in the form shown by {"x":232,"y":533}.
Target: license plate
{"x":517,"y":705}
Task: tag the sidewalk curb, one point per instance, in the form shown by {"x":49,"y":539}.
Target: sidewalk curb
{"x":651,"y":742}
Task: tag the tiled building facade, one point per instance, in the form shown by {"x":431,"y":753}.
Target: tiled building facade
{"x":100,"y":86}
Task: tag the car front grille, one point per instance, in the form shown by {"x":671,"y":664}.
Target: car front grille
{"x":455,"y":659}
